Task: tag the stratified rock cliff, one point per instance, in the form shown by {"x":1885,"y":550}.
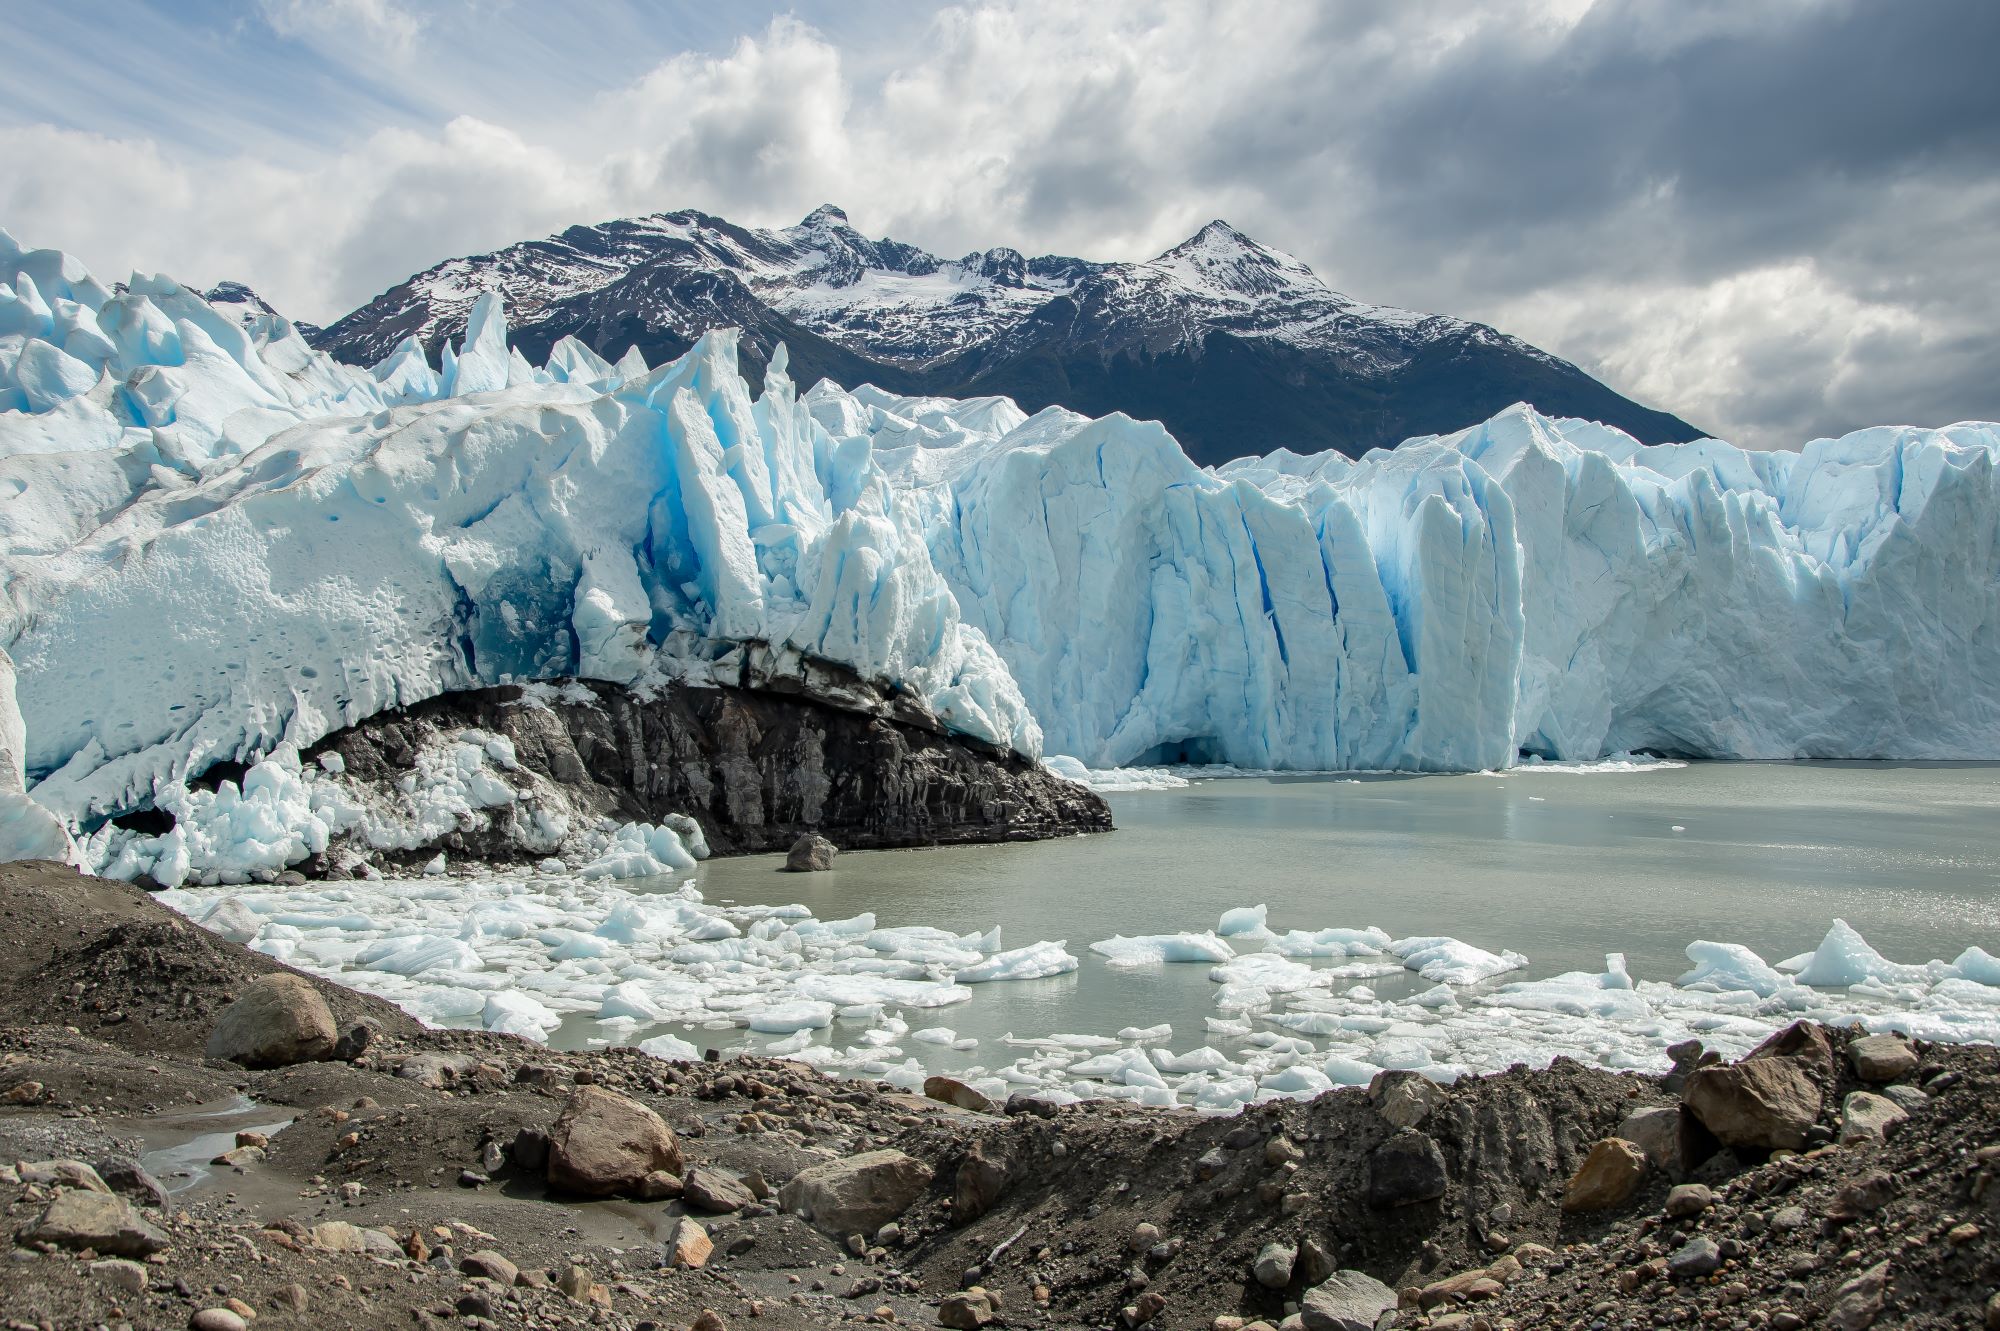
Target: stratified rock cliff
{"x":754,"y":767}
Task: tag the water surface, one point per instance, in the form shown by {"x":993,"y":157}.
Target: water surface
{"x":1561,"y":867}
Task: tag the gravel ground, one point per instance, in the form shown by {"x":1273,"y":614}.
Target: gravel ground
{"x":1091,"y":1216}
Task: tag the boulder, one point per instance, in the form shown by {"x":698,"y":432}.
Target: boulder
{"x":1673,"y":1142}
{"x":706,"y":1188}
{"x":1404,"y":1099}
{"x":1405,"y":1170}
{"x":490,"y":1264}
{"x":1608,"y":1177}
{"x":1857,"y":1303}
{"x":604,"y":1144}
{"x":811,"y":853}
{"x":1273,"y":1267}
{"x":1346,"y":1301}
{"x":1689,"y":1200}
{"x":1867,"y":1117}
{"x":859,"y":1194}
{"x":688,"y":1245}
{"x":969,"y":1311}
{"x":62,"y":1174}
{"x":80,"y":1218}
{"x":980,"y":1181}
{"x":951,"y":1091}
{"x":1880,"y":1059}
{"x":279,"y":1020}
{"x":1765,"y":1103}
{"x":1697,"y":1257}
{"x":1805,"y":1041}
{"x":1315,"y":1262}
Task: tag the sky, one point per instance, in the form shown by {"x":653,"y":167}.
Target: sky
{"x":1778,"y":220}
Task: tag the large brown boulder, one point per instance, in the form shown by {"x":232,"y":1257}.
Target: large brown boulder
{"x":1882,"y":1058}
{"x":279,"y":1020}
{"x":604,"y":1144}
{"x":1805,"y":1041}
{"x":99,"y":1221}
{"x":1764,"y":1103}
{"x":1608,"y":1177}
{"x":857,"y":1195}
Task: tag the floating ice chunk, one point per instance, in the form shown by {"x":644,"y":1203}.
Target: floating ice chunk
{"x":1578,"y":993}
{"x":1155,"y":949}
{"x":1036,"y":961}
{"x":1265,"y":971}
{"x":414,"y":956}
{"x":1113,"y":780}
{"x":1449,"y":961}
{"x":1368,"y":942}
{"x":1129,"y":1067}
{"x":640,"y":850}
{"x":943,"y":1035}
{"x":1224,"y":1094}
{"x":1163,"y":1031}
{"x":1203,"y":1059}
{"x":1225,"y":1027}
{"x":511,"y":1012}
{"x":1978,"y":965}
{"x":1844,"y":958}
{"x":799,"y":1015}
{"x":672,"y":1048}
{"x":1298,"y":1081}
{"x":234,"y":920}
{"x":1243,"y":920}
{"x":791,"y":1044}
{"x":1722,"y":967}
{"x":1342,"y":1070}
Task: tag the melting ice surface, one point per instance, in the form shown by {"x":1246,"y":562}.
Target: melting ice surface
{"x":1248,"y":938}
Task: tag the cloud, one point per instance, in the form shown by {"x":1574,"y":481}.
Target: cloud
{"x":383,"y":26}
{"x":1772,"y":219}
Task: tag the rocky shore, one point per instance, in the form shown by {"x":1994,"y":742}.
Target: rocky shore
{"x":193,"y":1136}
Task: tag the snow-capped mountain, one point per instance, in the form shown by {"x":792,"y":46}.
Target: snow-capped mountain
{"x":1228,"y":342}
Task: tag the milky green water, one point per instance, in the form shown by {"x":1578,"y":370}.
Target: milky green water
{"x":1562,"y":868}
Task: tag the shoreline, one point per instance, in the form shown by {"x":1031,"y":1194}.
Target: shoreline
{"x":109,"y":1000}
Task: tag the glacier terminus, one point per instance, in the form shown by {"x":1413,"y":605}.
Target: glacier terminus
{"x":222,"y":544}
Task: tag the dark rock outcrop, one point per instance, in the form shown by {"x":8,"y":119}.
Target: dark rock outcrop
{"x":757,"y":768}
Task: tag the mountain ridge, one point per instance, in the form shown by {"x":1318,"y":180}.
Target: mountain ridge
{"x":1233,"y":345}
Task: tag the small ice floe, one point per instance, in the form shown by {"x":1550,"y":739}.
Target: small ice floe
{"x":1156,"y":949}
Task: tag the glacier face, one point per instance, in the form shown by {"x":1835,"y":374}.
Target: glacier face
{"x":218,"y":542}
{"x":1526,"y":585}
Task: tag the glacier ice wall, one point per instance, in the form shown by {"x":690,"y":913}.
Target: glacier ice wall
{"x":1526,"y":585}
{"x":217,"y":587}
{"x":218,"y":542}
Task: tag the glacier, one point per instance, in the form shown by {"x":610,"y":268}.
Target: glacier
{"x":220,"y":544}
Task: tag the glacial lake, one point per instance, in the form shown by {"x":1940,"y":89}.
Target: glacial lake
{"x":1562,"y":867}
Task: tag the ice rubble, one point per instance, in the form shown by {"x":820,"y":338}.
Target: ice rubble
{"x":533,"y":954}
